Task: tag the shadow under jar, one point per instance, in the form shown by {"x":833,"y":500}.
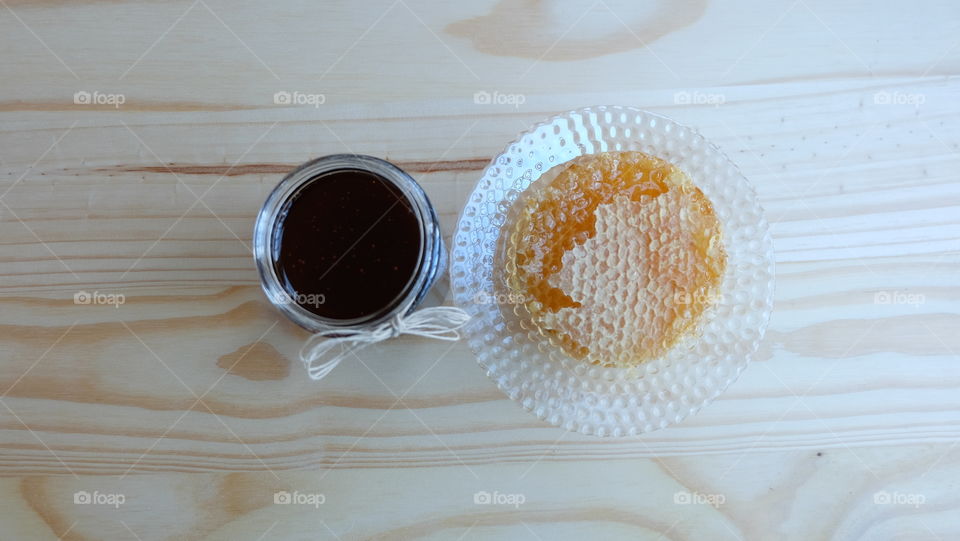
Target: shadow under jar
{"x":347,"y":242}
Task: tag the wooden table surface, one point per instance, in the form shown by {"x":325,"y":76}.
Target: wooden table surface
{"x":138,"y":140}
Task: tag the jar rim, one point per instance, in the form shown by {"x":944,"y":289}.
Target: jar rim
{"x":271,"y":215}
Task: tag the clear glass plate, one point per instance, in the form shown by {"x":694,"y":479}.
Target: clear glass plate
{"x":584,"y":397}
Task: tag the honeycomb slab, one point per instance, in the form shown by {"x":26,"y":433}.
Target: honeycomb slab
{"x":615,"y":258}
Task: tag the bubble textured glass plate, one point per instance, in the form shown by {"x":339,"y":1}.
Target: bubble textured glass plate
{"x":590,"y":398}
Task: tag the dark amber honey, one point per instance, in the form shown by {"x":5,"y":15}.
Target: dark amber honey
{"x":347,"y":245}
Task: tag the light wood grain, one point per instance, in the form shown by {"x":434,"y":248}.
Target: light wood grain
{"x":789,"y":495}
{"x":194,"y":376}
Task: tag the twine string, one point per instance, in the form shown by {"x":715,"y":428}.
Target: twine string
{"x":323,"y":351}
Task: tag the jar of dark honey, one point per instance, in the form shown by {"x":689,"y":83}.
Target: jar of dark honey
{"x":347,"y":242}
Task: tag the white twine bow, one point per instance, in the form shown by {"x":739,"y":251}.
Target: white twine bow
{"x":439,"y":322}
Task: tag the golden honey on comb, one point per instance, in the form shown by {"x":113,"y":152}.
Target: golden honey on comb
{"x":615,"y":258}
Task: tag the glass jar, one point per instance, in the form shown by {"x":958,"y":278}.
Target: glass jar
{"x":430,"y":263}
